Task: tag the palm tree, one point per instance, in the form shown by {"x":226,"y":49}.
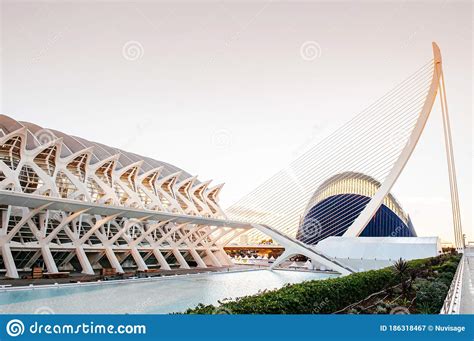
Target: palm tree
{"x":400,"y":268}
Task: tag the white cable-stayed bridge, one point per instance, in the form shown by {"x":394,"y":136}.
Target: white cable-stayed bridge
{"x":79,"y":205}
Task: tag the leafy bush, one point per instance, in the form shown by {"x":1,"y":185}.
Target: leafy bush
{"x":327,"y":295}
{"x":419,"y":263}
{"x":332,"y":295}
{"x":449,"y":266}
{"x":446,"y":278}
{"x":430,"y":296}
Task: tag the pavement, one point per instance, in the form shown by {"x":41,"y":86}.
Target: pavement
{"x":78,"y":277}
{"x":467,"y":293}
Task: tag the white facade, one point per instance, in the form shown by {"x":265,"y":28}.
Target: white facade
{"x":367,"y":253}
{"x":50,"y":165}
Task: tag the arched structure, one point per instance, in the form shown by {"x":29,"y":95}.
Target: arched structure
{"x":321,"y":219}
{"x":363,"y":219}
{"x":377,"y":143}
{"x":437,"y":84}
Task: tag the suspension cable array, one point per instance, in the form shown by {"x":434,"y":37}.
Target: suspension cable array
{"x":368,"y":145}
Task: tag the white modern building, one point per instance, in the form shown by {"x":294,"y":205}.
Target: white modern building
{"x":60,"y":200}
{"x":369,"y":253}
{"x":75,"y":205}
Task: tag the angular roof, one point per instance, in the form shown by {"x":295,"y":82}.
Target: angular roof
{"x":73,"y":144}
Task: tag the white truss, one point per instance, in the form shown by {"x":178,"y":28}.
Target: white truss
{"x":80,"y":240}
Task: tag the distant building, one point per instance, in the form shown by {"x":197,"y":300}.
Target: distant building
{"x":339,"y":201}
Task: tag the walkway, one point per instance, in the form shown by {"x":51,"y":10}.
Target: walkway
{"x":79,"y":277}
{"x":467,"y":295}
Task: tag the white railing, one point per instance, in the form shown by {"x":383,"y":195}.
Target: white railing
{"x":452,"y":301}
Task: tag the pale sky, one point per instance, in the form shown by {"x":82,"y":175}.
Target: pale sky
{"x":222,"y":89}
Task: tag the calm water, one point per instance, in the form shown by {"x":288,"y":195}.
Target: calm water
{"x":163,"y":295}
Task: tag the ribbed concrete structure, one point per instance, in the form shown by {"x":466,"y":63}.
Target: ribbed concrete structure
{"x":46,"y":163}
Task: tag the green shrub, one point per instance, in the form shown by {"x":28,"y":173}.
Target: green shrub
{"x":430,"y":296}
{"x":446,"y":278}
{"x":331,"y":295}
{"x":449,"y":266}
{"x":320,"y":296}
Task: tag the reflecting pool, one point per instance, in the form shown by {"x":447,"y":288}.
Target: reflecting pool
{"x":156,"y":296}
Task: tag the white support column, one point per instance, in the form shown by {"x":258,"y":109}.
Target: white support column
{"x":114,"y":262}
{"x":213,"y":258}
{"x":159,"y":257}
{"x":9,"y":262}
{"x":85,"y":264}
{"x":197,"y":258}
{"x":223,"y":257}
{"x":48,"y":259}
{"x":179,"y":257}
{"x":283,"y":257}
{"x":138,"y":259}
{"x":5,"y":220}
{"x":295,"y":247}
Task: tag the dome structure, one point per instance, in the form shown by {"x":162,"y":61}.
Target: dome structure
{"x":338,"y":202}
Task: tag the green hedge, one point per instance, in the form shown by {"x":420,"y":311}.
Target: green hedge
{"x":321,"y":296}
